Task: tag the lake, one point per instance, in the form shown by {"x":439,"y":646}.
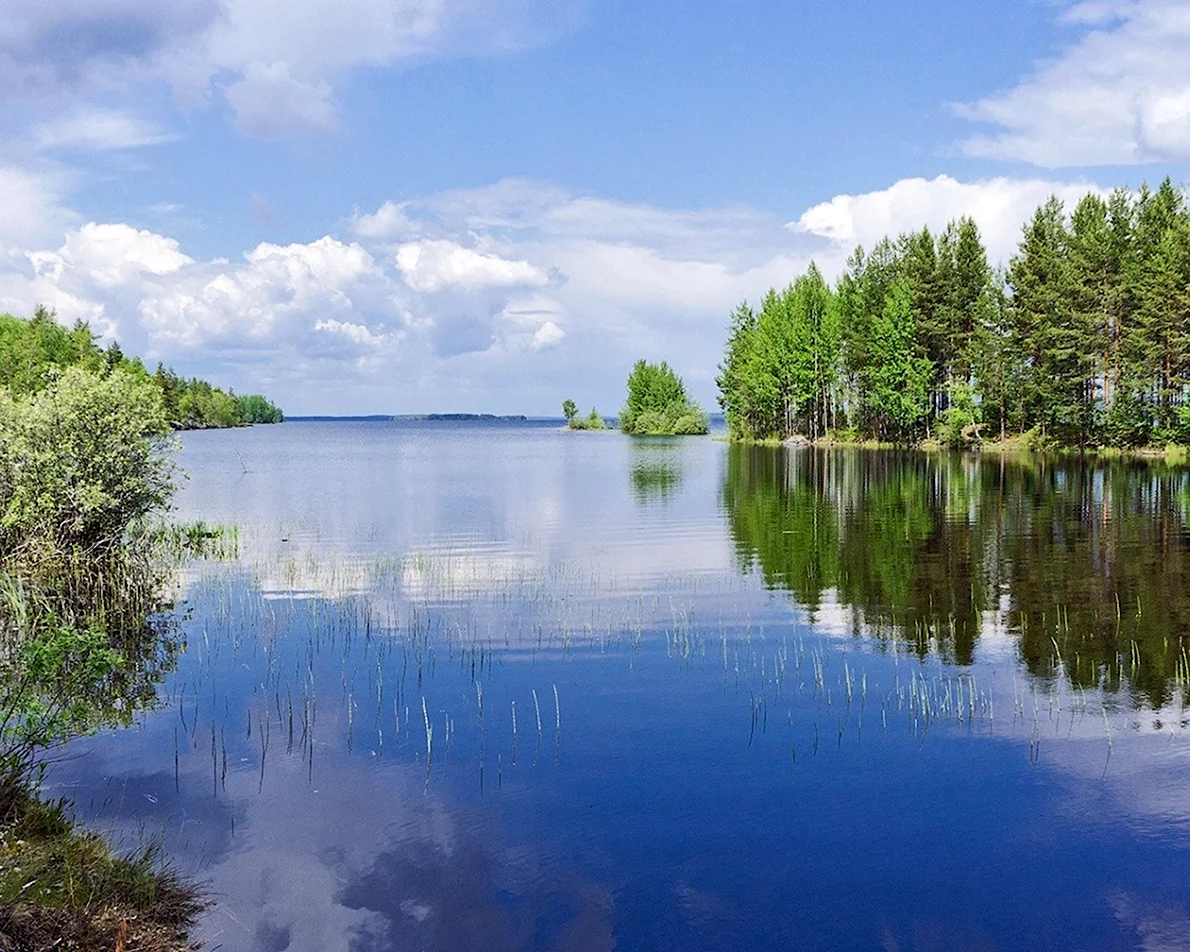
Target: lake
{"x":492,"y":687}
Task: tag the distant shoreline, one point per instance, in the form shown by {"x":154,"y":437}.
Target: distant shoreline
{"x":423,"y":418}
{"x":716,"y":419}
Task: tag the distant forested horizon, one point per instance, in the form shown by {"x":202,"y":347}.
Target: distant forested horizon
{"x":1082,"y":340}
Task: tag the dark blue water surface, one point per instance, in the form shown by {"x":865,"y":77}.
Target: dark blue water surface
{"x":494,"y":686}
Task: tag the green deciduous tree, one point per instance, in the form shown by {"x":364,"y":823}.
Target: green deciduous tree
{"x":255,"y":408}
{"x":781,"y":371}
{"x":657,"y":403}
{"x":898,"y":376}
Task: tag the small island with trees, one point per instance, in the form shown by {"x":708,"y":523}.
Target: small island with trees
{"x":592,"y":421}
{"x":657,"y":405}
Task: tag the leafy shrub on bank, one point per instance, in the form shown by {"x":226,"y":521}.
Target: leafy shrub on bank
{"x":958,"y":425}
{"x":80,"y":461}
{"x":84,"y":466}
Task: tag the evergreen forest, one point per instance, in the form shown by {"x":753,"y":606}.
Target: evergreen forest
{"x":1082,"y":340}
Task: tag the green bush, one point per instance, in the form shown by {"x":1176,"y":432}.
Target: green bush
{"x":1125,"y":422}
{"x":646,"y":423}
{"x":694,"y":423}
{"x":958,"y":425}
{"x":80,"y":461}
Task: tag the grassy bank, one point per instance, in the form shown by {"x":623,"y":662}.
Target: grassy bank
{"x":62,"y":888}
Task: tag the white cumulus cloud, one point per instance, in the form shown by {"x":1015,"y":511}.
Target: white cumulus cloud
{"x":438,"y":264}
{"x":387,"y":222}
{"x":999,"y":206}
{"x":547,"y":336}
{"x":1117,"y":95}
{"x":112,"y":254}
{"x":356,"y":333}
{"x":277,"y":295}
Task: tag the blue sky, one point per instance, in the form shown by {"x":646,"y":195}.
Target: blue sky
{"x":418,"y":205}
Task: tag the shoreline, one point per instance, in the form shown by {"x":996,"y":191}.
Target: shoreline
{"x":1011,"y":446}
{"x":63,"y":885}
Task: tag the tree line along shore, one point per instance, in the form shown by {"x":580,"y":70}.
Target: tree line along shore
{"x":33,"y":351}
{"x":1082,"y":341}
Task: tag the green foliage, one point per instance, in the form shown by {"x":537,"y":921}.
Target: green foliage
{"x":658,"y":405}
{"x":34,"y":352}
{"x":31,"y":351}
{"x":79,"y":461}
{"x":781,"y":369}
{"x":693,"y":422}
{"x":84,"y":464}
{"x":49,"y":682}
{"x":592,"y":421}
{"x":194,"y":404}
{"x":651,"y":388}
{"x":255,"y":408}
{"x":569,"y":410}
{"x":1084,"y":338}
{"x":958,"y":425}
{"x":897,"y":376}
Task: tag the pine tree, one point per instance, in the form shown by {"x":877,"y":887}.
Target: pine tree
{"x":1158,"y":278}
{"x":966,"y":299}
{"x":1090,"y":303}
{"x":1039,"y":275}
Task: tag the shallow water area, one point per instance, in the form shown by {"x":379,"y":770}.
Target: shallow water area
{"x":500,"y":686}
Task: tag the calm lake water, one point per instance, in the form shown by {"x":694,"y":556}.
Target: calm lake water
{"x":489,"y":687}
